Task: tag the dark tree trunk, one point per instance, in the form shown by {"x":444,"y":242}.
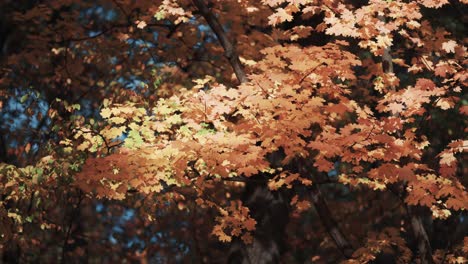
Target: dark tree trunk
{"x":329,"y":222}
{"x":323,"y":211}
{"x":270,"y":210}
{"x":11,"y":253}
{"x":422,"y":240}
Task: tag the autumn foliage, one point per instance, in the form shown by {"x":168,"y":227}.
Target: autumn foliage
{"x":305,"y":131}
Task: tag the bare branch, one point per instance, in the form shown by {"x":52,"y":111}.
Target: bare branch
{"x":108,"y":30}
{"x":326,"y":216}
{"x":229,"y":50}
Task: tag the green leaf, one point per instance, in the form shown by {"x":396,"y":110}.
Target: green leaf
{"x":204,"y":131}
{"x":160,"y":15}
{"x":74,"y":167}
{"x":40,"y":171}
{"x":24,"y":98}
{"x":76,"y":107}
{"x":133,"y":139}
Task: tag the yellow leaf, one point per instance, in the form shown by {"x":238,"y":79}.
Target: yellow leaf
{"x":117,"y":120}
{"x":106,"y":112}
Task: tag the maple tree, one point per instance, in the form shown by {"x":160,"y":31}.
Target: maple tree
{"x":316,"y":131}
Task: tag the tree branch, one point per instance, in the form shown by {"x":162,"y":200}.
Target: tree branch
{"x":107,"y":30}
{"x":326,"y":216}
{"x":229,"y":49}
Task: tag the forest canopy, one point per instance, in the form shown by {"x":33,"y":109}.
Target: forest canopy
{"x":222,"y":131}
